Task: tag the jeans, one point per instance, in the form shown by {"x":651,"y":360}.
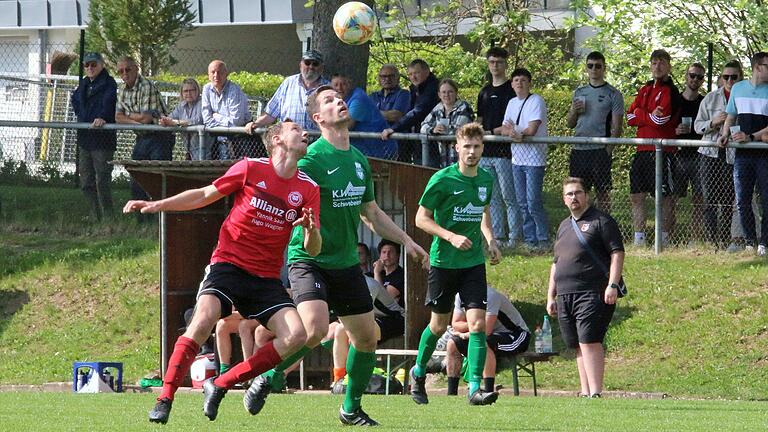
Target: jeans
{"x":750,"y":171}
{"x":503,"y":193}
{"x":529,"y":184}
{"x":96,"y":180}
{"x":717,"y":189}
{"x":152,"y":146}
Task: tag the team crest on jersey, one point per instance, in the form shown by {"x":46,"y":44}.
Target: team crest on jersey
{"x":585,"y":227}
{"x":359,"y":171}
{"x":482,"y":193}
{"x":295,"y":198}
{"x":290,"y":215}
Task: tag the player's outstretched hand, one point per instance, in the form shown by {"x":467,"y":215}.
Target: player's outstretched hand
{"x":307,"y":219}
{"x":417,"y":253}
{"x":460,"y":242}
{"x":495,"y":253}
{"x":141,"y":206}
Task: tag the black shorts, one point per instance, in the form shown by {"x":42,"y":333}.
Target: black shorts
{"x":469,"y":283}
{"x":583,"y":317}
{"x":642,"y":174}
{"x":345,"y":290}
{"x":391,"y":327}
{"x":254,"y":297}
{"x":592,"y":166}
{"x":688,"y":172}
{"x":502,"y":343}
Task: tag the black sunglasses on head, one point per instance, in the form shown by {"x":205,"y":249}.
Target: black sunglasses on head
{"x":594,"y":66}
{"x":695,"y":76}
{"x":728,"y":77}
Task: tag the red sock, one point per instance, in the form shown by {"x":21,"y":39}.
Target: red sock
{"x":264,"y":359}
{"x":338,"y":373}
{"x":181,"y":360}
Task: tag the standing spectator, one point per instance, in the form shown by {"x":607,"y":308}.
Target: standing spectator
{"x":717,"y":163}
{"x":597,"y":110}
{"x":581,"y":294}
{"x":190,"y":112}
{"x":526,"y":115}
{"x":424,"y":88}
{"x":387,"y":270}
{"x":94,"y":102}
{"x":139,"y":102}
{"x":224,"y":105}
{"x":290,"y":99}
{"x":748,"y":105}
{"x":445,"y":118}
{"x":365,"y":117}
{"x":491,"y":104}
{"x":654,"y":112}
{"x":392,"y":101}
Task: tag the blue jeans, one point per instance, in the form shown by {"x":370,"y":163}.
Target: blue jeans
{"x":503,"y":193}
{"x":529,"y":184}
{"x":750,"y":171}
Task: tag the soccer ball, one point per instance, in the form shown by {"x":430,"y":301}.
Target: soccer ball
{"x":354,"y":23}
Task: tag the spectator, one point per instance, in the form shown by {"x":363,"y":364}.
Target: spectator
{"x":94,"y":102}
{"x":224,"y":105}
{"x":445,"y":118}
{"x":225,"y":327}
{"x":526,"y":115}
{"x":491,"y":104}
{"x":364,"y":256}
{"x":139,"y":102}
{"x":655,"y":114}
{"x":597,"y":110}
{"x":290,"y":99}
{"x":507,"y":335}
{"x":392,"y":101}
{"x":189,"y":112}
{"x":387,"y":270}
{"x":748,"y":106}
{"x":424,"y":88}
{"x":581,"y":294}
{"x":365,"y":117}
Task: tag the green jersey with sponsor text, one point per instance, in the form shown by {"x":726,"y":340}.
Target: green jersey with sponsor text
{"x":345,"y":184}
{"x":457,"y":203}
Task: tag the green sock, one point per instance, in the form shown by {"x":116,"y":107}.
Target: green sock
{"x":427,"y":345}
{"x":223,"y":367}
{"x":327,"y":345}
{"x":476,"y":356}
{"x":293,"y":358}
{"x":359,"y":370}
{"x":276,"y":377}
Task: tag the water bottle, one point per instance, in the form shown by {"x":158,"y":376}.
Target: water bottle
{"x":109,"y":379}
{"x":546,"y":336}
{"x":539,"y":339}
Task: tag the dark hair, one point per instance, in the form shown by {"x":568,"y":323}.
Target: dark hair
{"x":574,"y":180}
{"x":365,"y":248}
{"x":660,"y":54}
{"x":757,"y":57}
{"x":419,"y":62}
{"x":496,"y":52}
{"x":313,"y":105}
{"x":522,"y":72}
{"x":385,"y":242}
{"x":736,"y":65}
{"x":697,"y":65}
{"x":595,"y":55}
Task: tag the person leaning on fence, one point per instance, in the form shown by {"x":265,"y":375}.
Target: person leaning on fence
{"x":581,"y":295}
{"x":225,"y":105}
{"x":446,"y":118}
{"x":597,"y":110}
{"x":187,"y":113}
{"x":748,"y":106}
{"x":94,"y":102}
{"x":392,"y":101}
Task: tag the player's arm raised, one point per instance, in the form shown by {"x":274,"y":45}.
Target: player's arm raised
{"x":378,"y":221}
{"x":187,"y":200}
{"x":425,"y":220}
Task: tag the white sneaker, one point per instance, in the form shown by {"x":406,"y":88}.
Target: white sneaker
{"x":761,"y":250}
{"x":749,"y":249}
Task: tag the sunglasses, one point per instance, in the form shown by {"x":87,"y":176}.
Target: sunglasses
{"x":90,"y":64}
{"x":597,"y":66}
{"x":727,"y":77}
{"x":695,"y":76}
{"x":313,"y":63}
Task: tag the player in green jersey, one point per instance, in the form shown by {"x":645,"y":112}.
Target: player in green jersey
{"x":454,"y":209}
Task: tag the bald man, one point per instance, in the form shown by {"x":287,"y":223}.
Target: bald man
{"x":224,"y":104}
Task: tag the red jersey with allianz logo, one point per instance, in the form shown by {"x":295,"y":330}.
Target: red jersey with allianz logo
{"x":257,"y":229}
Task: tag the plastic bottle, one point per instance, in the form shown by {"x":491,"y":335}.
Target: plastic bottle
{"x":400,"y":375}
{"x":538,"y":334}
{"x":546,"y":336}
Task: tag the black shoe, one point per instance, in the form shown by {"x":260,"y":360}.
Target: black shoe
{"x":161,"y":411}
{"x":357,"y":418}
{"x":595,"y":396}
{"x":213,"y":396}
{"x":256,"y":395}
{"x":418,"y":388}
{"x":481,"y":397}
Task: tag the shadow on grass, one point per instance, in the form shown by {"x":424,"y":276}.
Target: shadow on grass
{"x":13,"y":301}
{"x":754,"y":262}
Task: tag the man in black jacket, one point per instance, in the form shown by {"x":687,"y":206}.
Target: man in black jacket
{"x":94,"y":102}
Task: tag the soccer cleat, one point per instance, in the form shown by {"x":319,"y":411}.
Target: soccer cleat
{"x":357,"y":418}
{"x":161,"y":411}
{"x":481,"y":397}
{"x":213,"y":396}
{"x":256,"y":395}
{"x":418,"y":388}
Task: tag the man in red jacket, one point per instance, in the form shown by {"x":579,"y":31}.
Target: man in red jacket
{"x":655,"y":114}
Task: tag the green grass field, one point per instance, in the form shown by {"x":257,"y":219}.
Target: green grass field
{"x":302,"y":412}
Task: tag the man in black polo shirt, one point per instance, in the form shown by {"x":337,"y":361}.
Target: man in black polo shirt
{"x":387,"y":270}
{"x":581,"y":294}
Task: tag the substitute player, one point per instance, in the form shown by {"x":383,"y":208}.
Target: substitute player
{"x":454,"y":209}
{"x":334,"y":278}
{"x":270,"y":197}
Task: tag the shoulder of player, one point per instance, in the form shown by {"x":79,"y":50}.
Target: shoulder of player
{"x":305,"y":178}
{"x":484,"y":174}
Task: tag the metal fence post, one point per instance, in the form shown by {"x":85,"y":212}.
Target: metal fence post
{"x":658,"y":211}
{"x":201,"y":134}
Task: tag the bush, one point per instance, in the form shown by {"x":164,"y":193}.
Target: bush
{"x":260,"y":84}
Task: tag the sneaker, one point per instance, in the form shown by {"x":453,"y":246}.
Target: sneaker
{"x":418,"y":388}
{"x":256,"y":395}
{"x":481,"y":397}
{"x":596,"y":396}
{"x":761,"y":250}
{"x":161,"y":411}
{"x":357,"y":418}
{"x":749,"y":249}
{"x":734,"y":248}
{"x":213,"y":396}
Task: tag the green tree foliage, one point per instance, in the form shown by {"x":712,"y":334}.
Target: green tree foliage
{"x":143,"y":29}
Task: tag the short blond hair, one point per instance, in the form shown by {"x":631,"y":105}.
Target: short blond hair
{"x":469,"y":131}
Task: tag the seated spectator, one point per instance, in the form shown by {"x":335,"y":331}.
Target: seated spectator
{"x":365,"y":118}
{"x":364,"y":256}
{"x":507,"y":335}
{"x":392,"y":101}
{"x":387,"y":270}
{"x":447,"y":116}
{"x":225,"y":328}
{"x":224,"y":105}
{"x":187,"y":113}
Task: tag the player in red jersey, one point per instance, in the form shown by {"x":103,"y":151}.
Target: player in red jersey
{"x":271,"y":196}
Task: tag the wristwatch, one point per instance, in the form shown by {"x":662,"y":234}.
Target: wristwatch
{"x":614,"y":286}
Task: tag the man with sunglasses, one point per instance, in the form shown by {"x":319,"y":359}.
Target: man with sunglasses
{"x":392,"y":101}
{"x":597,"y":110}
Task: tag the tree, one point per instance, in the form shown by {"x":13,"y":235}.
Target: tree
{"x":143,"y":29}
